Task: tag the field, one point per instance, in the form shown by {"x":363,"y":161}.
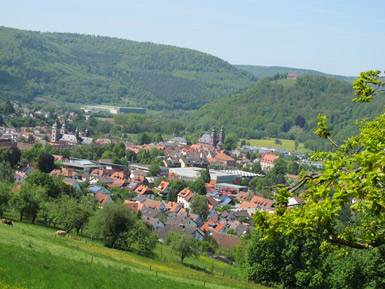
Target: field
{"x":286,"y":144}
{"x":32,"y":257}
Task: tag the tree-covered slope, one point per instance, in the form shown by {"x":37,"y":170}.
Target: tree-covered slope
{"x":93,"y":69}
{"x":268,"y":71}
{"x":287,"y":109}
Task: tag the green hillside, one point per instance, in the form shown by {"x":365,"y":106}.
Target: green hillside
{"x":31,"y":257}
{"x":288,"y":109}
{"x":93,"y":69}
{"x":268,"y":71}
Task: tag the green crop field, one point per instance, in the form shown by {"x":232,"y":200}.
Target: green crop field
{"x":32,"y":257}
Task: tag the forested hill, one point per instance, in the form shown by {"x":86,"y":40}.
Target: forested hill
{"x":288,"y":109}
{"x":93,"y":69}
{"x":268,"y":71}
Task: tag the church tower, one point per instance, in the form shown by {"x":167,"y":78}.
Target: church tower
{"x":63,"y":129}
{"x":222,"y":135}
{"x":221,"y":139}
{"x":213,"y":139}
{"x":54,"y":133}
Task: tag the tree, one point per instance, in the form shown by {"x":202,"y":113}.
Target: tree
{"x":185,"y":246}
{"x":131,"y":156}
{"x":205,"y":175}
{"x":352,"y":180}
{"x":231,"y":142}
{"x":5,"y":197}
{"x":46,"y":163}
{"x":6,"y":172}
{"x":200,"y":206}
{"x":27,"y":200}
{"x":112,"y":224}
{"x":11,"y":155}
{"x":154,"y":169}
{"x":143,"y":237}
{"x":176,"y":187}
{"x":198,"y":186}
{"x":72,"y":213}
{"x":300,"y":121}
{"x":290,"y":262}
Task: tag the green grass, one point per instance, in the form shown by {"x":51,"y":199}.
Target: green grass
{"x":286,"y":144}
{"x":31,"y":257}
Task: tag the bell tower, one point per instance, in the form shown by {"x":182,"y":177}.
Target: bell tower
{"x":213,"y":140}
{"x":55,"y":132}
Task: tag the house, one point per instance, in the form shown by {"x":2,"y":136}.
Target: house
{"x":132,"y":186}
{"x":234,"y":216}
{"x":224,"y":200}
{"x":263,"y":204}
{"x":250,"y":207}
{"x":117,"y":184}
{"x":156,"y":205}
{"x":145,"y":191}
{"x":156,"y":223}
{"x":101,"y":179}
{"x":164,"y":188}
{"x":226,"y":240}
{"x":98,"y":189}
{"x":295,"y":201}
{"x":242,"y":196}
{"x":73,"y":183}
{"x":190,"y":231}
{"x":19,"y":177}
{"x":133,"y":205}
{"x":211,"y":201}
{"x":211,"y":227}
{"x":181,"y":220}
{"x":172,"y":207}
{"x":153,"y":213}
{"x":139,"y":199}
{"x":119,"y":176}
{"x":240,"y":228}
{"x":103,"y":199}
{"x":267,"y":162}
{"x":212,"y":211}
{"x":225,"y":160}
{"x":292,"y":76}
{"x":184,"y":197}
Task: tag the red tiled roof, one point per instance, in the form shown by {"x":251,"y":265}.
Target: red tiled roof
{"x":102,"y":198}
{"x":248,"y":205}
{"x":184,"y":193}
{"x":212,"y":226}
{"x":269,"y":158}
{"x":133,"y":205}
{"x":142,"y":190}
{"x":152,"y":204}
{"x":262,"y":202}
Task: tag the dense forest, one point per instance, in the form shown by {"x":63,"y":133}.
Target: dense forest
{"x":93,"y":69}
{"x":278,"y":107}
{"x":268,"y":71}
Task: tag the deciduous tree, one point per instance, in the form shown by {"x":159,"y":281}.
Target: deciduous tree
{"x":184,"y":245}
{"x":353,"y":179}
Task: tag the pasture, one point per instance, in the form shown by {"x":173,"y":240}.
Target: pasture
{"x":270,"y":142}
{"x":32,"y":257}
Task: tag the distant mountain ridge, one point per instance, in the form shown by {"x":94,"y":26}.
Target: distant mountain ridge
{"x":93,"y":69}
{"x":267,"y":71}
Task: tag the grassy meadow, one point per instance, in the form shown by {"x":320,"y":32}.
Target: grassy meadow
{"x":32,"y":257}
{"x":286,"y":144}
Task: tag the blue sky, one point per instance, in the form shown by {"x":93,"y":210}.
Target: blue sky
{"x":337,"y":37}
